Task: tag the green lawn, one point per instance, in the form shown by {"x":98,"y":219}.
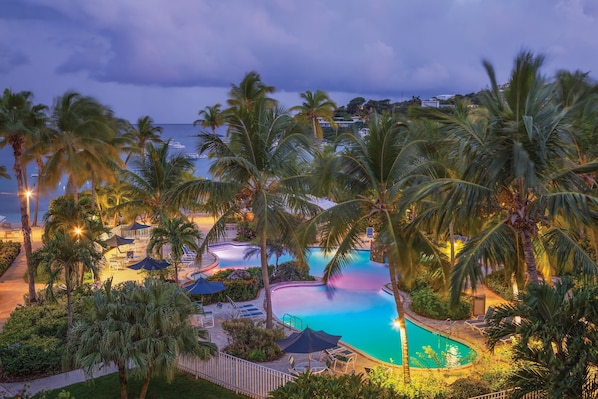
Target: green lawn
{"x":183,"y":386}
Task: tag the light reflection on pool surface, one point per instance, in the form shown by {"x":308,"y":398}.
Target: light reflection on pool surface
{"x":358,"y":310}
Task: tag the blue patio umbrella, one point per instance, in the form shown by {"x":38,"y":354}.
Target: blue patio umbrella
{"x":308,"y":341}
{"x":204,"y":287}
{"x":116,"y":241}
{"x":149,"y":264}
{"x":137,"y":226}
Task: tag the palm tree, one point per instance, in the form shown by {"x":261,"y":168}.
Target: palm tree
{"x":3,"y":173}
{"x":555,"y":342}
{"x":83,"y":141}
{"x":154,"y":182}
{"x":519,"y":178}
{"x":175,"y":233}
{"x":138,"y":327}
{"x":166,"y":333}
{"x":374,"y":172}
{"x":315,"y":105}
{"x":256,"y":174}
{"x":249,"y":91}
{"x":61,"y":257}
{"x":38,"y":151}
{"x":139,"y":137}
{"x":211,"y":117}
{"x":20,"y":121}
{"x":71,"y":245}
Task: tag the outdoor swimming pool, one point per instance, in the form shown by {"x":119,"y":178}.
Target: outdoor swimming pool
{"x":359,"y":309}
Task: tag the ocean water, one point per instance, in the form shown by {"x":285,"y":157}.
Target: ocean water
{"x":9,"y":205}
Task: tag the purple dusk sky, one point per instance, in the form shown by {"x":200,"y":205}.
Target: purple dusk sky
{"x":170,"y":58}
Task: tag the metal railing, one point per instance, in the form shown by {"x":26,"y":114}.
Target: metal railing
{"x":292,"y":321}
{"x":236,"y":374}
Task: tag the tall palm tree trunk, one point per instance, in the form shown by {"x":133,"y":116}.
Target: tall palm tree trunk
{"x":266,"y":279}
{"x":530,"y":259}
{"x":122,"y":380}
{"x":145,"y":386}
{"x":26,"y":228}
{"x":69,"y":306}
{"x":401,"y":321}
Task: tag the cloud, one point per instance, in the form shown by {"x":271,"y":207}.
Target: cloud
{"x":382,"y":48}
{"x":11,"y":59}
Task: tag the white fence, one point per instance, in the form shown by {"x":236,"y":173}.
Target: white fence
{"x":236,"y":374}
{"x":505,"y":395}
{"x":256,"y":381}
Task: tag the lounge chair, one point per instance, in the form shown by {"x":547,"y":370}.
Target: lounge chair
{"x":244,"y":311}
{"x":188,"y":255}
{"x":480,"y":323}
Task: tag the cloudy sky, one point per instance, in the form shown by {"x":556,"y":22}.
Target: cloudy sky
{"x":170,"y":58}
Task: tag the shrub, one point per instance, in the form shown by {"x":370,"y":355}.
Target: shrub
{"x":249,"y":341}
{"x":238,"y":290}
{"x":37,"y":356}
{"x":500,"y":283}
{"x":291,"y":271}
{"x":9,"y":250}
{"x":312,"y":386}
{"x":32,"y":341}
{"x":468,"y":387}
{"x":430,"y":304}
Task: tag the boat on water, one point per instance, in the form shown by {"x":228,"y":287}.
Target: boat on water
{"x":176,"y":144}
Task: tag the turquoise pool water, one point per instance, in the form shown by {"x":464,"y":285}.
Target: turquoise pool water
{"x":358,"y":309}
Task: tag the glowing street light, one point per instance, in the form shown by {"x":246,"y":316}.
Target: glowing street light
{"x":78,"y":232}
{"x":28,"y":194}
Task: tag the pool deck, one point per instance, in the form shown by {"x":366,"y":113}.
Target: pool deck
{"x":459,"y":331}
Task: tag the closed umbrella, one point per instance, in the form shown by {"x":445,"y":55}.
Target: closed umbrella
{"x":149,"y":264}
{"x":204,"y":287}
{"x":308,"y":341}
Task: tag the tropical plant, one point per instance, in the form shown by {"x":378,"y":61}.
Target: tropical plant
{"x":211,"y":117}
{"x":375,"y":171}
{"x":154,"y":182}
{"x":20,"y":121}
{"x":141,"y":328}
{"x":71,"y":245}
{"x":176,"y":234}
{"x":3,"y":173}
{"x":256,"y":174}
{"x":251,"y":89}
{"x":556,"y":339}
{"x":520,"y":179}
{"x":139,"y":137}
{"x":83,"y":135}
{"x":315,"y":105}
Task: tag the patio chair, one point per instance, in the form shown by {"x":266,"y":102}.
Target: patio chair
{"x":244,"y":311}
{"x":480,"y":323}
{"x":206,"y":317}
{"x":341,"y":358}
{"x":292,"y":370}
